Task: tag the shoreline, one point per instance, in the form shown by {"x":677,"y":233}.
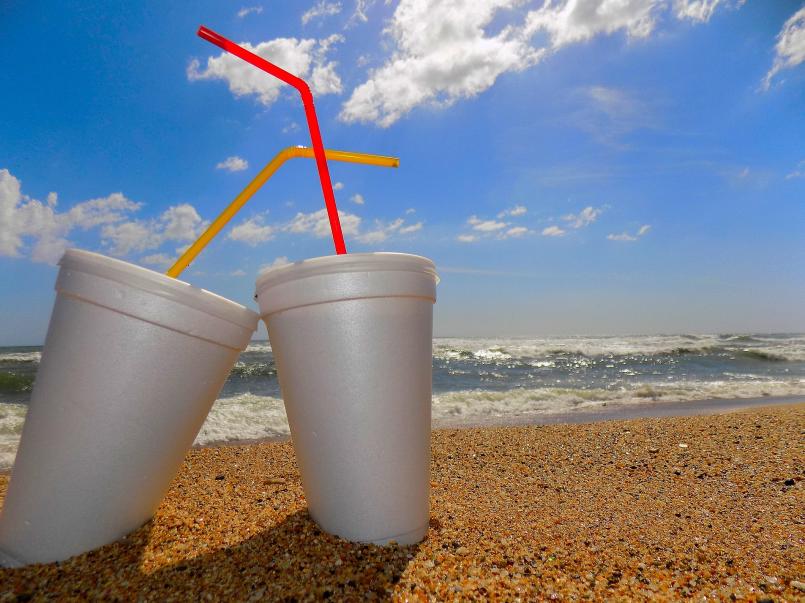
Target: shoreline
{"x":614,"y":412}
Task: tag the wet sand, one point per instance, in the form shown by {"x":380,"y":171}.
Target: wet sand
{"x":653,"y":508}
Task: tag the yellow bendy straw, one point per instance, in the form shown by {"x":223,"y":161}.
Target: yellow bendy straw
{"x":258,"y":181}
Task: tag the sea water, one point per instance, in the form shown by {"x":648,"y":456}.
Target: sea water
{"x":483,"y":379}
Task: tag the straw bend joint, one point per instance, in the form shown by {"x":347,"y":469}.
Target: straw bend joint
{"x":258,"y":181}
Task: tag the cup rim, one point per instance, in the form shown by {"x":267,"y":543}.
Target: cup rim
{"x":159,"y":284}
{"x":380,"y":261}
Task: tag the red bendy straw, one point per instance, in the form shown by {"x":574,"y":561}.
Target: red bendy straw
{"x":312,"y":123}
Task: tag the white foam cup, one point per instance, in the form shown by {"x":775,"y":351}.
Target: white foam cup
{"x":132,"y":362}
{"x":352,"y":341}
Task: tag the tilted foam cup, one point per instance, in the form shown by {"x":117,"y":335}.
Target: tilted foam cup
{"x":132,"y":363}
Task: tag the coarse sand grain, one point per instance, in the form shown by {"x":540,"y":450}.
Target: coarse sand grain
{"x":646,"y":509}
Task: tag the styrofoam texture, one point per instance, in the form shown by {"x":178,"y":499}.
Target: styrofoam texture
{"x":126,"y":380}
{"x":354,"y":360}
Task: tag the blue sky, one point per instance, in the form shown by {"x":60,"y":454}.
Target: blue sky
{"x":571,"y":167}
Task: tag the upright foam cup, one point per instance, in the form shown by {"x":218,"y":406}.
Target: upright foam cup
{"x":352,"y":340}
{"x":132,"y":362}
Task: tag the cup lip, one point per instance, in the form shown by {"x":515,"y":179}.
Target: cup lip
{"x":159,"y":284}
{"x":380,"y":261}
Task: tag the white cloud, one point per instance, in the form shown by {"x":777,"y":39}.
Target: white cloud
{"x":26,"y":220}
{"x":177,"y":223}
{"x":381,"y":232}
{"x":411,"y":228}
{"x":410,"y":211}
{"x":361,"y":6}
{"x":180,"y":223}
{"x":517,"y":210}
{"x":238,"y":272}
{"x":123,"y":239}
{"x":233,"y":164}
{"x":443,"y":54}
{"x":627,"y":238}
{"x":280,"y":261}
{"x":790,"y":47}
{"x":799,"y":171}
{"x":338,"y":186}
{"x":321,"y":10}
{"x":358,"y":199}
{"x":585,"y":217}
{"x":580,"y":20}
{"x":493,"y":228}
{"x":245,"y":11}
{"x":485,"y":225}
{"x":104,"y":210}
{"x":252,"y":231}
{"x":515,"y":232}
{"x":159,"y":260}
{"x":553,"y":231}
{"x":306,"y":58}
{"x":318,"y":224}
{"x":621,"y":237}
{"x":23,"y":219}
{"x":447,"y":50}
{"x":290,"y":128}
{"x":699,"y":11}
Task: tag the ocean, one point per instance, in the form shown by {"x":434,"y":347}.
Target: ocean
{"x":477,"y":379}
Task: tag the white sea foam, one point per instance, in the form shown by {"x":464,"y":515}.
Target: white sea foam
{"x":244,"y":417}
{"x":501,"y":349}
{"x":258,"y":346}
{"x":12,"y":416}
{"x":21,"y":357}
{"x":249,"y":416}
{"x":467,"y":405}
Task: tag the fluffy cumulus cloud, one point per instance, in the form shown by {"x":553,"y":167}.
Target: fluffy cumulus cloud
{"x":318,"y":224}
{"x":580,"y":20}
{"x":383,"y":230}
{"x":321,"y":10}
{"x":443,"y":53}
{"x":252,"y":231}
{"x":306,"y":58}
{"x":39,"y":230}
{"x":279,"y":261}
{"x":790,"y":47}
{"x":498,"y":229}
{"x":357,"y":199}
{"x":157,"y":260}
{"x":177,"y":224}
{"x":485,"y":225}
{"x":553,"y":231}
{"x":701,"y":10}
{"x":517,"y":210}
{"x":233,"y":164}
{"x":585,"y":217}
{"x":625,"y":237}
{"x":447,"y":50}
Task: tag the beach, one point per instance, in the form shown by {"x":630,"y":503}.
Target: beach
{"x":652,"y":508}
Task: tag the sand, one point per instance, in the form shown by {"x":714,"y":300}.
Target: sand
{"x":661,"y":509}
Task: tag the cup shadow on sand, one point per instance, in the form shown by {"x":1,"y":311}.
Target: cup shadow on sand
{"x":292,"y":560}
